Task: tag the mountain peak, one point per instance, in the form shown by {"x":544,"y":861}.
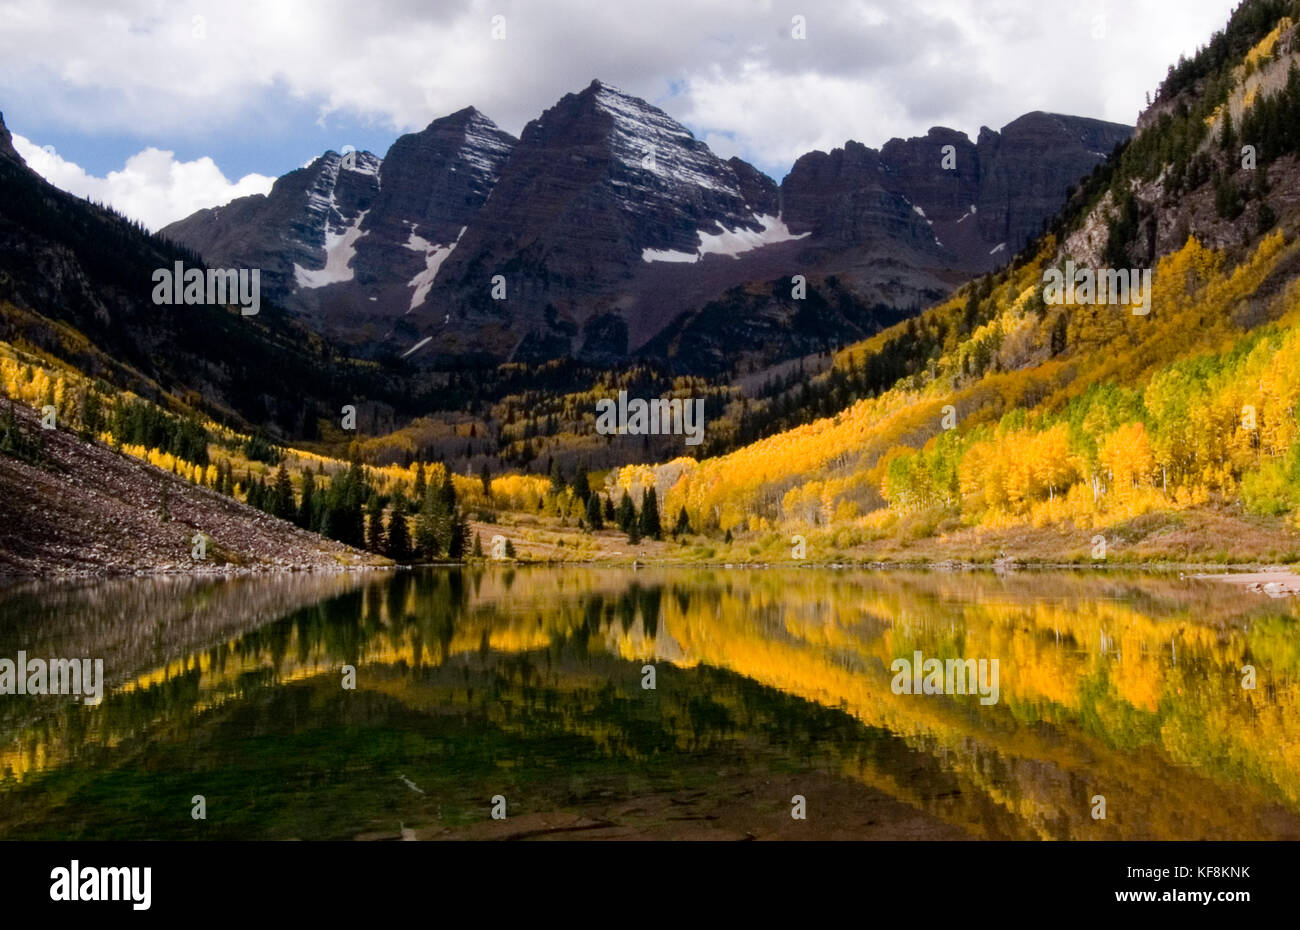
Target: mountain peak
{"x":7,"y":149}
{"x":479,"y":126}
{"x":614,"y":100}
{"x":611,"y":99}
{"x":359,"y":161}
{"x":604,"y":200}
{"x":468,"y":129}
{"x":639,"y":127}
{"x":465,"y":116}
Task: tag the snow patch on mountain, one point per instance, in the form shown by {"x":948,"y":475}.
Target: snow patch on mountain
{"x":668,"y":255}
{"x":418,"y":345}
{"x":731,"y":242}
{"x":434,"y":256}
{"x":340,"y":247}
{"x":417,"y":243}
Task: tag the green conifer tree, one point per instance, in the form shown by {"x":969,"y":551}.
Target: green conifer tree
{"x":398,"y":537}
{"x":594,"y":518}
{"x":650,"y":526}
{"x":307,"y":506}
{"x":282,"y":503}
{"x":627,"y":514}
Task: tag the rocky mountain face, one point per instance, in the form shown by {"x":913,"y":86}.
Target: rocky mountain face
{"x":1022,"y":168}
{"x":7,"y":144}
{"x":433,"y":183}
{"x":608,"y":230}
{"x":967,"y":206}
{"x":77,"y":282}
{"x":883,"y":233}
{"x":602,"y":192}
{"x":351,"y":241}
{"x":302,"y":235}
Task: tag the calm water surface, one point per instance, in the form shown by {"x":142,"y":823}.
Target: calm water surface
{"x":528,"y":684}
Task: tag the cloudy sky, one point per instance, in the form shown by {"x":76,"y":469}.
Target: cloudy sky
{"x":161,"y":107}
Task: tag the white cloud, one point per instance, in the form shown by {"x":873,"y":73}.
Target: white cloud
{"x":868,"y":69}
{"x":152,"y":187}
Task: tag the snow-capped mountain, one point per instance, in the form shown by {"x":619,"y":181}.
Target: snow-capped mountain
{"x":607,"y":228}
{"x":601,"y":192}
{"x":353,"y":241}
{"x":433,"y":183}
{"x":302,"y":234}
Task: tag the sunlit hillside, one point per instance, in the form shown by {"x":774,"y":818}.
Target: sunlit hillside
{"x":1006,"y":409}
{"x":1037,"y":415}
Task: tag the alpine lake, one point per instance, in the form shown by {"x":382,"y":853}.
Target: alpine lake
{"x":589,"y":702}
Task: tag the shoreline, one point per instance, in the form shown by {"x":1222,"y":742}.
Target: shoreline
{"x":1260,"y":577}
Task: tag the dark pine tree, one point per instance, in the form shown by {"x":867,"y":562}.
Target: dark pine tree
{"x":448,"y":526}
{"x":257,"y":493}
{"x":428,"y":523}
{"x":459,"y":536}
{"x":399,"y":538}
{"x":282,"y":503}
{"x":650,"y":526}
{"x":418,"y":490}
{"x":307,"y":506}
{"x":594,"y":518}
{"x":627,"y":514}
{"x":375,"y":540}
{"x":581,"y":487}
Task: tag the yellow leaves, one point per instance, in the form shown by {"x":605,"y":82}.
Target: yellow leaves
{"x":1037,"y":463}
{"x":1052,"y":464}
{"x":1263,"y":49}
{"x":1279,"y":387}
{"x":802,"y":502}
{"x":1017,"y":469}
{"x":1187,"y":270}
{"x":845,"y":512}
{"x":519,"y":492}
{"x":1191,"y":495}
{"x":758,"y":475}
{"x":1080,"y":506}
{"x":1126,"y":455}
{"x":983,"y":480}
{"x":634,"y":479}
{"x":469,"y":491}
{"x":168,"y":462}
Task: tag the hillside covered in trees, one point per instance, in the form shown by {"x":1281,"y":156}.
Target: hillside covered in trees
{"x":1010,"y":419}
{"x":996,"y":421}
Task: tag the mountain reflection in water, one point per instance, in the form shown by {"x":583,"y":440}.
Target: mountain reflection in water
{"x":528,"y":683}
